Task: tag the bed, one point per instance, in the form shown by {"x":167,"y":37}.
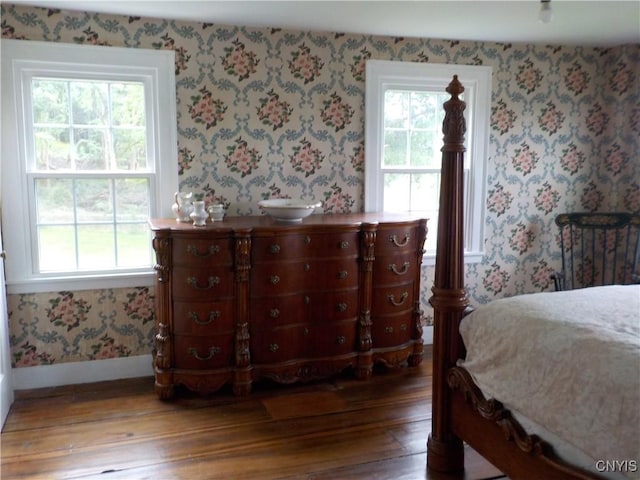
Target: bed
{"x":545,"y":385}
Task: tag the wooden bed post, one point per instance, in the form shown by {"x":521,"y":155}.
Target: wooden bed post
{"x":449,"y":300}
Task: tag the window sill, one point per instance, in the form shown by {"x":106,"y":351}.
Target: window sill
{"x":89,"y":282}
{"x":429,"y":260}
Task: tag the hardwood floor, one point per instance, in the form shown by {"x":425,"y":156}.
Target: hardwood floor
{"x":338,"y":429}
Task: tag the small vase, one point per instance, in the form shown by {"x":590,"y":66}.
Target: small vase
{"x":182,"y":207}
{"x":216,"y":212}
{"x":199,"y":214}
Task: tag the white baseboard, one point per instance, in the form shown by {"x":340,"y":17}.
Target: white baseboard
{"x":73,"y":373}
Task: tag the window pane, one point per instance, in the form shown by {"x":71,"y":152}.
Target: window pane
{"x":425,"y":191}
{"x":397,"y":192}
{"x":89,"y":103}
{"x":96,"y":247}
{"x":411,"y":191}
{"x":91,"y":149}
{"x":395,"y":148}
{"x":396,"y":108}
{"x":130,"y":149}
{"x":94,"y":200}
{"x":134,"y":245}
{"x":423,"y":153}
{"x":52,"y":148}
{"x":424,"y":106}
{"x":127,"y":104}
{"x":50,"y":101}
{"x":54,"y":200}
{"x":132,"y":199}
{"x":57,"y":250}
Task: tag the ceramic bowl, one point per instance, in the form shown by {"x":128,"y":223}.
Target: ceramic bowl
{"x":288,"y":210}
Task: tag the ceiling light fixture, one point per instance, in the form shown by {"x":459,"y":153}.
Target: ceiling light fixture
{"x":546,"y":14}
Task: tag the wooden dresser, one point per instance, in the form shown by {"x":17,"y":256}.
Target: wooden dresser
{"x":250,"y":298}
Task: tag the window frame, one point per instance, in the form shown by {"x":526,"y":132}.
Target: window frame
{"x":383,"y":75}
{"x":23,"y":60}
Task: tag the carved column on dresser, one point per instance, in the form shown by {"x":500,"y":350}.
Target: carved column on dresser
{"x":242,"y":379}
{"x":162,"y":352}
{"x":368,"y":240}
{"x":418,"y":347}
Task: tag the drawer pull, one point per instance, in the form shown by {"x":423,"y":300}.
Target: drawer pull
{"x":394,"y":240}
{"x":341,"y":307}
{"x":403,"y":328}
{"x":213,"y":351}
{"x":307,"y":239}
{"x":274,"y":313}
{"x":392,"y":299}
{"x":344,"y":244}
{"x":388,"y":329}
{"x":342,"y":274}
{"x":305,"y":332}
{"x":274,"y":279}
{"x":275,"y":248}
{"x":340,"y":340}
{"x":193,"y":250}
{"x":212,"y":316}
{"x":273,"y":347}
{"x":306,"y":300}
{"x":307,"y":267}
{"x":213,"y":281}
{"x":405,"y":268}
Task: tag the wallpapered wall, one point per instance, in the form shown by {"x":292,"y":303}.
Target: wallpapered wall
{"x":268,"y":112}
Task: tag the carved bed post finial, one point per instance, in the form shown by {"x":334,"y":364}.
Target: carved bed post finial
{"x":454,"y":126}
{"x":449,"y":300}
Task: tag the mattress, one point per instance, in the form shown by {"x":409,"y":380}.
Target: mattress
{"x":568,"y":366}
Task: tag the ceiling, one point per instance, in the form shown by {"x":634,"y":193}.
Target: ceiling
{"x":589,"y":23}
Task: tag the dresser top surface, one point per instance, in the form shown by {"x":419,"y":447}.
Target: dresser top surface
{"x":266,"y":222}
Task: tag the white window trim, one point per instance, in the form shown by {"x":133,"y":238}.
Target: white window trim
{"x":382,"y":75}
{"x":21,"y":57}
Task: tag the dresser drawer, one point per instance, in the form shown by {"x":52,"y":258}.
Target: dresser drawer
{"x":396,"y":239}
{"x":280,"y":344}
{"x":197,"y":252}
{"x":202,"y":353}
{"x":203,"y":318}
{"x":337,"y":338}
{"x":279,"y":278}
{"x":332,"y":306}
{"x":276,"y":311}
{"x":282,"y":247}
{"x":338,"y":244}
{"x":393,"y":300}
{"x":390,"y":330}
{"x":394,"y":269}
{"x":299,"y":277}
{"x":202,"y":284}
{"x":275,"y":248}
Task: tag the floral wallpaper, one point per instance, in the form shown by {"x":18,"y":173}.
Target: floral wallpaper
{"x":280,"y":113}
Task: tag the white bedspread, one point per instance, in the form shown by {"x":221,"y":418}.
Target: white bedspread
{"x":569,"y":361}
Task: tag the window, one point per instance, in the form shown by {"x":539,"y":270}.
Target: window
{"x":89,"y":152}
{"x":403,"y":138}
